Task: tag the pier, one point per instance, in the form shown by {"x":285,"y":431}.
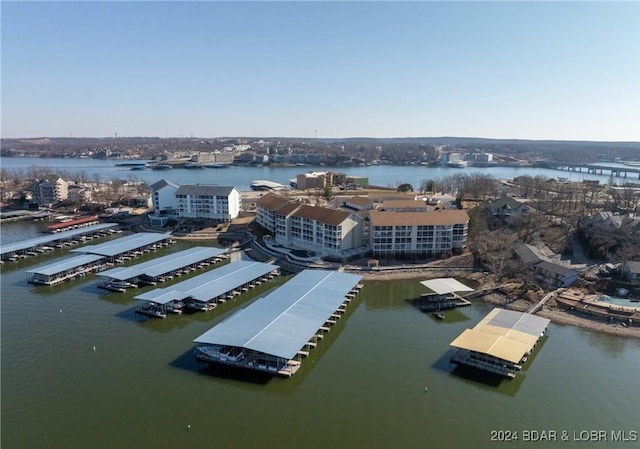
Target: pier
{"x":161,"y":269}
{"x":32,"y":247}
{"x":64,"y":270}
{"x":128,"y":247}
{"x":273,"y":334}
{"x":205,"y":291}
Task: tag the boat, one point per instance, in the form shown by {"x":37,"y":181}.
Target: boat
{"x":439,"y":315}
{"x":216,"y":165}
{"x":266,"y":185}
{"x":458,"y":164}
{"x":192,"y":165}
{"x":162,"y":167}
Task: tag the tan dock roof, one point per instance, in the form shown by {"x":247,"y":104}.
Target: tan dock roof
{"x":494,"y":345}
{"x":505,"y":334}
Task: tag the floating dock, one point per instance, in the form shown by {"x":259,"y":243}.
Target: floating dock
{"x":274,"y":333}
{"x":78,"y":223}
{"x":204,"y":292}
{"x":443,"y":295}
{"x":161,"y":269}
{"x":501,"y":342}
{"x":128,"y":247}
{"x":37,"y":245}
{"x":64,"y":270}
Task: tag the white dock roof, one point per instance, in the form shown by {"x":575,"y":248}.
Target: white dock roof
{"x":39,"y":241}
{"x":123,"y":244}
{"x":211,"y":284}
{"x":165,"y":264}
{"x":281,"y":323}
{"x":443,"y":286}
{"x":60,"y":266}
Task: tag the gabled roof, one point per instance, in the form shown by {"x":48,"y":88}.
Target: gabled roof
{"x":554,"y":268}
{"x":163,"y":183}
{"x":322,"y":214}
{"x":199,"y":190}
{"x":506,"y":202}
{"x":435,"y":218}
{"x":528,"y":254}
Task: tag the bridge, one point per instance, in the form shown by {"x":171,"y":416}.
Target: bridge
{"x":597,"y":169}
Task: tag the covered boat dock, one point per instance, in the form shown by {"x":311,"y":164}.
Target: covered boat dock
{"x":205,"y":291}
{"x":443,"y":295}
{"x":501,"y":342}
{"x":161,"y":269}
{"x":70,"y":268}
{"x":274,"y":333}
{"x":32,"y":247}
{"x":128,"y":247}
{"x":78,"y":223}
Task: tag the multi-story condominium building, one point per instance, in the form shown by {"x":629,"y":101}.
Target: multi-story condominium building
{"x":218,"y":203}
{"x":421,"y":233}
{"x":330,"y":232}
{"x":163,"y":196}
{"x":50,"y":190}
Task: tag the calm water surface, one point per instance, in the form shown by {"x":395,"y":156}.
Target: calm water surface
{"x":380,"y":380}
{"x":241,"y":177}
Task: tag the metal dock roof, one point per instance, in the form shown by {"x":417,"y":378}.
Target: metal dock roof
{"x":64,"y":265}
{"x":38,"y":241}
{"x":165,"y":264}
{"x":281,"y":323}
{"x":123,"y":244}
{"x":211,"y":284}
{"x":505,"y":334}
{"x":443,"y":286}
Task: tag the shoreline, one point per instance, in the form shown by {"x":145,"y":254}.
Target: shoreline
{"x":554,"y":314}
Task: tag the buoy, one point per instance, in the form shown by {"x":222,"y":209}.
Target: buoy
{"x":426,"y":388}
{"x":189,"y":426}
{"x":60,"y":310}
{"x":94,"y":349}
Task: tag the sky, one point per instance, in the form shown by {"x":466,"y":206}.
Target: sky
{"x":544,"y":70}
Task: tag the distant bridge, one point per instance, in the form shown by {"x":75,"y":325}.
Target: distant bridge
{"x":618,"y":172}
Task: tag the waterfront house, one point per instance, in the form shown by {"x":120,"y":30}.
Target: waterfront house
{"x":507,"y":207}
{"x":553,"y":275}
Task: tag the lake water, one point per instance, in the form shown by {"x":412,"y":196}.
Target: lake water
{"x":241,"y":177}
{"x":381,"y":378}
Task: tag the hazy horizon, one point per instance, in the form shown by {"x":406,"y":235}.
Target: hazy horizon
{"x":331,"y":70}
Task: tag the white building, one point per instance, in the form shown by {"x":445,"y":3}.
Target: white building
{"x":163,"y":196}
{"x":170,"y":200}
{"x":50,"y":190}
{"x":219,"y":203}
{"x":422,"y":233}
